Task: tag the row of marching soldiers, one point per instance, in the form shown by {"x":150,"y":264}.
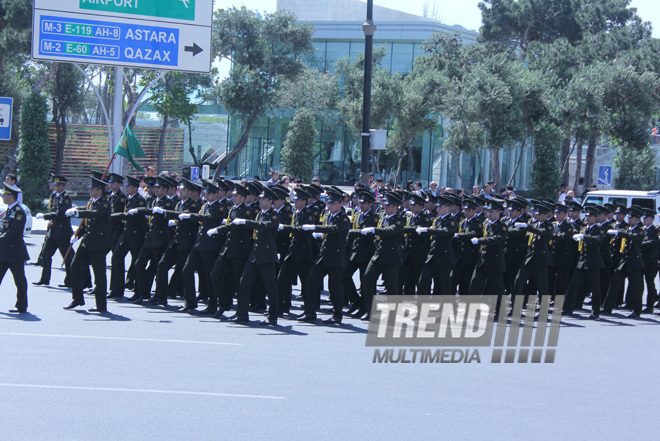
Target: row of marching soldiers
{"x":250,"y":244}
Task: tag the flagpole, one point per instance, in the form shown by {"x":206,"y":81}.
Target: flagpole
{"x":68,"y":251}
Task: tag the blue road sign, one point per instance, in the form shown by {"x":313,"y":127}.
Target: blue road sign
{"x":605,"y":175}
{"x":194,"y":173}
{"x":5,"y":118}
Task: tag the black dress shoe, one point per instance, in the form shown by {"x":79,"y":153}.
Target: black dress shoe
{"x":220,"y":313}
{"x":129,"y":286}
{"x":633,"y":315}
{"x":366,"y":317}
{"x":208,"y":310}
{"x":648,"y":310}
{"x":187,"y":308}
{"x":40,"y":282}
{"x":352,"y":309}
{"x":36,"y":263}
{"x":97,"y":309}
{"x":133,"y":298}
{"x":359,"y":313}
{"x":606,"y":311}
{"x":333,"y":321}
{"x":594,"y":316}
{"x":115,"y":295}
{"x":268,"y":322}
{"x":258,"y":309}
{"x":17,"y":311}
{"x":154,"y":301}
{"x":138,"y":300}
{"x":64,"y":285}
{"x":239,"y":319}
{"x":74,"y":304}
{"x":307,"y":318}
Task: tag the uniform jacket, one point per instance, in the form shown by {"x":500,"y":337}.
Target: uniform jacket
{"x":264,"y":248}
{"x":516,"y":243}
{"x":237,"y":242}
{"x":389,"y":233}
{"x":117,"y":204}
{"x":560,"y":244}
{"x":469,"y":228}
{"x":12,"y":244}
{"x":416,"y":246}
{"x":538,"y":238}
{"x":95,"y":231}
{"x":186,"y":231}
{"x":589,"y":248}
{"x":650,"y":248}
{"x":361,"y":247}
{"x":135,"y":226}
{"x":158,"y":235}
{"x":209,"y":217}
{"x":333,"y":248}
{"x":631,"y":257}
{"x":300,"y":248}
{"x":491,"y":247}
{"x":283,"y":239}
{"x":442,"y":234}
{"x":60,"y":223}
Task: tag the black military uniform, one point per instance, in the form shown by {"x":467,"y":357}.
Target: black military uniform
{"x":59,"y":232}
{"x":94,"y":245}
{"x":615,"y":249}
{"x":631,"y":266}
{"x":589,"y":265}
{"x":13,"y":252}
{"x":439,"y":261}
{"x":205,"y":250}
{"x":560,"y":257}
{"x":415,"y":247}
{"x":516,"y":245}
{"x":387,"y":257}
{"x":330,"y":261}
{"x":650,"y":248}
{"x":297,"y":260}
{"x":468,"y":255}
{"x":488,"y":275}
{"x":117,"y":204}
{"x":261,"y":262}
{"x":131,"y":239}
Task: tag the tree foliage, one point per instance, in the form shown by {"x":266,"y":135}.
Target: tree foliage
{"x":296,"y":154}
{"x":34,"y":151}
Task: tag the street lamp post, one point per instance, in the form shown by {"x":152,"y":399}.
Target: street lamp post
{"x":369,"y":28}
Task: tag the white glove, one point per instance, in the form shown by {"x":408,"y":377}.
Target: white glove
{"x":309,"y":227}
{"x":212,"y":232}
{"x":157,"y":210}
{"x":224,"y":221}
{"x":171,"y":223}
{"x":520,"y":225}
{"x":578,"y":237}
{"x":184,"y":216}
{"x":71,"y":212}
{"x":317,"y":235}
{"x":281,"y":227}
{"x":455,"y":235}
{"x":74,"y":239}
{"x":369,"y":230}
{"x":613,"y":232}
{"x":474,"y":241}
{"x":40,"y":215}
{"x":132,"y":211}
{"x":239,"y":221}
{"x":421,"y":230}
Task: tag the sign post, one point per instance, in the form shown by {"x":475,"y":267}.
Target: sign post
{"x":6,"y":105}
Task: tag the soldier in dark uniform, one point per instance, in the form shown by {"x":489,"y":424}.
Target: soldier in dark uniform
{"x":515,"y":250}
{"x":118,"y":203}
{"x":439,"y":260}
{"x":155,"y":243}
{"x":574,"y":211}
{"x":297,"y":260}
{"x":285,"y":212}
{"x":318,"y":204}
{"x":51,"y":198}
{"x":560,"y":259}
{"x":330,"y":261}
{"x":415,"y":246}
{"x":205,"y":250}
{"x":631,"y":265}
{"x":131,"y":238}
{"x":360,"y":249}
{"x":468,"y":257}
{"x":650,"y":247}
{"x":94,"y":245}
{"x":615,"y":247}
{"x":13,"y":252}
{"x":235,"y":251}
{"x":59,"y":230}
{"x":387,"y":256}
{"x":537,"y":257}
{"x":181,"y":243}
{"x":488,"y":275}
{"x":589,"y":264}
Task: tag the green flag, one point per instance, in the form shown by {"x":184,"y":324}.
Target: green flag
{"x":129,"y":148}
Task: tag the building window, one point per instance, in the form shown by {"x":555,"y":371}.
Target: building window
{"x":335,"y":51}
{"x":402,"y":57}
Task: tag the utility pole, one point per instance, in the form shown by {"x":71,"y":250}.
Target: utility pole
{"x":369,"y":28}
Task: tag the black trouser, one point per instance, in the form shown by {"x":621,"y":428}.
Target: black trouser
{"x":409,"y":276}
{"x":50,"y":246}
{"x":441,"y":277}
{"x":18,"y":273}
{"x":253,"y":272}
{"x":315,"y":284}
{"x":465,"y":272}
{"x":486,"y":283}
{"x":635,"y":290}
{"x":651,"y":291}
{"x":350,"y":291}
{"x":170,"y":258}
{"x":510,"y":276}
{"x":580,"y":279}
{"x":560,"y":279}
{"x":605,"y":280}
{"x":258,"y":293}
{"x":390,"y":277}
{"x":202,"y":263}
{"x":538,"y":274}
{"x":118,"y":271}
{"x":144,"y":276}
{"x":80,"y":264}
{"x":223,"y":271}
{"x":286,"y":278}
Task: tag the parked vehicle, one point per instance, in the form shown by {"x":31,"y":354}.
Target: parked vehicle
{"x":28,"y":217}
{"x":646,"y":199}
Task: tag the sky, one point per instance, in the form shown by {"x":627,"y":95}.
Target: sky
{"x":451,"y":12}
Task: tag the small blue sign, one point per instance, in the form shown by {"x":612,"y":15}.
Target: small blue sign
{"x":5,"y":118}
{"x":194,"y":173}
{"x":605,"y":175}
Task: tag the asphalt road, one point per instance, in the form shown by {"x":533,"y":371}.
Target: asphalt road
{"x":153,"y":373}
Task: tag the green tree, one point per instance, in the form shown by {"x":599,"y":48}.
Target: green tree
{"x":296,"y":155}
{"x":34,"y":151}
{"x":635,"y":168}
{"x":545,"y":168}
{"x":264,"y":52}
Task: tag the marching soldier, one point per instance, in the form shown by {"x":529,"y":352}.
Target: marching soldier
{"x":13,"y":252}
{"x":94,"y":245}
{"x":515,"y":248}
{"x":59,"y":231}
{"x":468,"y":256}
{"x":330,"y":261}
{"x":615,"y":247}
{"x":415,"y":246}
{"x":650,"y":246}
{"x":560,"y":258}
{"x":117,"y":203}
{"x":131,"y":238}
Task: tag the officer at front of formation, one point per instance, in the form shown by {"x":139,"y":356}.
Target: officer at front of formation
{"x":95,"y":243}
{"x":330,"y":261}
{"x":13,"y":252}
{"x":59,"y":231}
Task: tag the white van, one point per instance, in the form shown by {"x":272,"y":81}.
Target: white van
{"x":646,"y":199}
